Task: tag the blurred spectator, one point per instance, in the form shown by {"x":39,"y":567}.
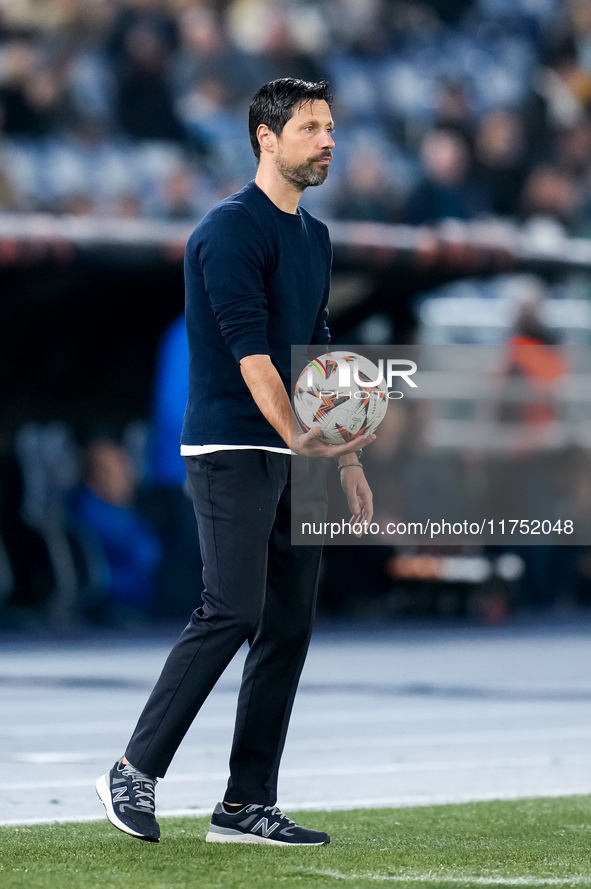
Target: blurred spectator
{"x":285,"y":37}
{"x":165,"y":499}
{"x":8,"y":199}
{"x":207,"y":53}
{"x":145,"y":106}
{"x":544,"y":367}
{"x":564,"y":90}
{"x":31,"y":96}
{"x":501,"y":160}
{"x":551,"y":193}
{"x":573,"y":148}
{"x":135,"y":17}
{"x":453,"y":109}
{"x":78,"y":205}
{"x":214,"y":128}
{"x":105,"y":503}
{"x":181,"y":196}
{"x":366,"y":194}
{"x":451,"y":11}
{"x":549,"y":581}
{"x":446,"y":190}
{"x":171,"y":390}
{"x":126,"y":206}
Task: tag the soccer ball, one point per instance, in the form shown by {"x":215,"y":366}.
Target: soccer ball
{"x":340,"y":393}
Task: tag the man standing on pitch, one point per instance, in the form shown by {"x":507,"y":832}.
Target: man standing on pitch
{"x":257,"y":273}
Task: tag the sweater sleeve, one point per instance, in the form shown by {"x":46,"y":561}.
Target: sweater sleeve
{"x":233,"y":255}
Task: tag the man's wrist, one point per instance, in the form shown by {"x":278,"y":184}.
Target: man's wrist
{"x":354,"y":457}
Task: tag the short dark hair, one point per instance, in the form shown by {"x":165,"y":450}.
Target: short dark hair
{"x":274,"y":103}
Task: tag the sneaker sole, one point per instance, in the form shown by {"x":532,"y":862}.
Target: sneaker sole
{"x":104,"y":793}
{"x":240,"y":837}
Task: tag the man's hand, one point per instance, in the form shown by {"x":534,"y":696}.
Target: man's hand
{"x":358,"y":494}
{"x":311,"y":444}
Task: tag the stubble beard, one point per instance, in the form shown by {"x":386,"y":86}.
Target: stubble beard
{"x":304,"y":175}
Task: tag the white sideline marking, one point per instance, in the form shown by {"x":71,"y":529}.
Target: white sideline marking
{"x":442,"y":877}
{"x":511,"y":762}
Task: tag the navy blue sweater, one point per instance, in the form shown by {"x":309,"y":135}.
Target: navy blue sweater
{"x":256,"y":281}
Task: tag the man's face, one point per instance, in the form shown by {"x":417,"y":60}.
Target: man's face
{"x":304,"y":148}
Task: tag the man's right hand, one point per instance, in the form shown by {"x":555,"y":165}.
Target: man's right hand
{"x":311,"y":444}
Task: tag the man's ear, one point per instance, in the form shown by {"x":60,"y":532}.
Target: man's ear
{"x":267,"y":138}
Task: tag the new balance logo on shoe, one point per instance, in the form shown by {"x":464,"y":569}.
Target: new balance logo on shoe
{"x":264,"y":827}
{"x":119,"y":794}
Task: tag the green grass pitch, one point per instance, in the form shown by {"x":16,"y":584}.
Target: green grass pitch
{"x":542,"y":842}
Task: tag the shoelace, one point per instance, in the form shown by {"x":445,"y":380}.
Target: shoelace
{"x":275,"y":811}
{"x":143,"y":788}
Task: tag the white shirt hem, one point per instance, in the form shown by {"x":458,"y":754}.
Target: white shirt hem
{"x":195,"y":450}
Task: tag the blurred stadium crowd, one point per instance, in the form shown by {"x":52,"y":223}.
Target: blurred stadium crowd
{"x":444,"y":108}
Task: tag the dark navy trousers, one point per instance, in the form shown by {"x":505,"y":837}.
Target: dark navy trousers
{"x":258,"y":588}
